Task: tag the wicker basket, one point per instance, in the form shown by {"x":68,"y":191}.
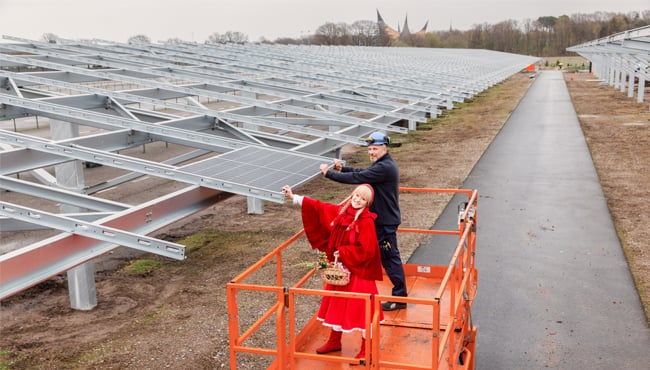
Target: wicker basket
{"x":335,"y":273}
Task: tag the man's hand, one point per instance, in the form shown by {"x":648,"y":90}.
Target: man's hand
{"x":324,"y":168}
{"x":337,"y":165}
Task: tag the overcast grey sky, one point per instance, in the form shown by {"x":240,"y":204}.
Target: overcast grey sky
{"x":195,"y":20}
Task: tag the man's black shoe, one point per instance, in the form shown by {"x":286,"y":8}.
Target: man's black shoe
{"x":392,"y":306}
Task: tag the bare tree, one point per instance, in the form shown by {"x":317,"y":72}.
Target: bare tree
{"x":325,"y":34}
{"x":235,"y":37}
{"x":617,"y":23}
{"x":332,"y":34}
{"x":229,"y":36}
{"x":174,"y":40}
{"x":564,"y":36}
{"x":216,"y":38}
{"x":364,"y":33}
{"x":287,"y":41}
{"x":432,"y":40}
{"x":479,"y":36}
{"x":547,"y":23}
{"x":645,"y":16}
{"x":453,"y":39}
{"x":139,"y":39}
{"x":345,"y":34}
{"x":505,"y":36}
{"x":544,"y":36}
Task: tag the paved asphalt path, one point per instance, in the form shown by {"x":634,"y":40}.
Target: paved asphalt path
{"x":554,"y":289}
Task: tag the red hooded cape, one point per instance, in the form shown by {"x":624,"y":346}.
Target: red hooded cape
{"x":356,"y":241}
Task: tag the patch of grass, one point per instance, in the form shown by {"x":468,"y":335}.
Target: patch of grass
{"x":142,"y":266}
{"x":4,"y":359}
{"x":211,"y":243}
{"x":192,"y":244}
{"x":199,"y":240}
{"x":92,"y":355}
{"x":445,"y":118}
{"x":99,"y":355}
{"x":425,"y":126}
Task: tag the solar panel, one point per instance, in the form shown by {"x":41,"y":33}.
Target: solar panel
{"x":259,"y":167}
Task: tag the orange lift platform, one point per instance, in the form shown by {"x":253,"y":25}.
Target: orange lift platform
{"x":435,"y":331}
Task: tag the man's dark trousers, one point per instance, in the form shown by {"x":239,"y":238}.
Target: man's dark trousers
{"x":390,"y":258}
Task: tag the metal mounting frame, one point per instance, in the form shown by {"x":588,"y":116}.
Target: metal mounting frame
{"x":250,"y":118}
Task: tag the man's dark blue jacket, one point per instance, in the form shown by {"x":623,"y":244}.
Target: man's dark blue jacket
{"x":383,"y":176}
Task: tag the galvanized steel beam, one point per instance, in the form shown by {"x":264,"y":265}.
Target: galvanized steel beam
{"x":28,"y":266}
{"x":91,"y":230}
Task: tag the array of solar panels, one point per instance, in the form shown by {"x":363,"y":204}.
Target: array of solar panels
{"x":621,"y":60}
{"x":198,"y":120}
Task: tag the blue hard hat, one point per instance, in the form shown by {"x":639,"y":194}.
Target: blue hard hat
{"x":377,"y":138}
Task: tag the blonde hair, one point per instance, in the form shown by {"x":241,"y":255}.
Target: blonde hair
{"x":365,"y":192}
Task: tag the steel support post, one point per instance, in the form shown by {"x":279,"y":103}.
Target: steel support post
{"x":630,"y":85}
{"x":641,"y":87}
{"x":255,"y":206}
{"x":69,"y":175}
{"x":81,"y":286}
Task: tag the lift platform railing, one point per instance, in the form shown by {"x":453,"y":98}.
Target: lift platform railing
{"x":294,"y":354}
{"x":460,"y":281}
{"x":236,"y":285}
{"x":453,"y":336}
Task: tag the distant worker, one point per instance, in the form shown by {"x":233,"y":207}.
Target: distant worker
{"x":383,"y":176}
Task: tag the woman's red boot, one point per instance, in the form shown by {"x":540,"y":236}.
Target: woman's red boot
{"x":362,"y":352}
{"x":332,"y":344}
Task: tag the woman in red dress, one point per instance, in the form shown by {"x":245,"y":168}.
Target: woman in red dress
{"x":347,"y":229}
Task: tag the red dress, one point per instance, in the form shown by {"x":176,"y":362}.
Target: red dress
{"x":356,"y":242}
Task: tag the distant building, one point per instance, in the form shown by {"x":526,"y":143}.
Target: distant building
{"x":388,"y":34}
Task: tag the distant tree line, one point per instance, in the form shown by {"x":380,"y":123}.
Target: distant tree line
{"x":544,"y":36}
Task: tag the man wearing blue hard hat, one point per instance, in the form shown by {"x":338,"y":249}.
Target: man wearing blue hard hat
{"x":383,"y":176}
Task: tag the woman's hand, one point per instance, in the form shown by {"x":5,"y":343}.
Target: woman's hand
{"x":287,"y":192}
